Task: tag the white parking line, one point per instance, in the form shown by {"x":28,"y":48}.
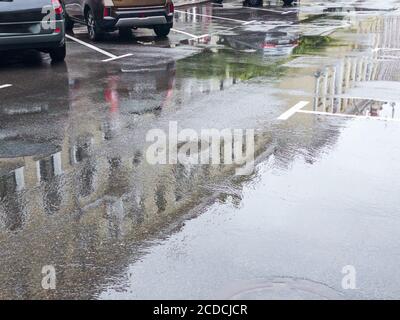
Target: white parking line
{"x":385,"y":49}
{"x":111,"y":56}
{"x":249,"y":22}
{"x":270,"y":10}
{"x":5,"y":86}
{"x":253,"y":8}
{"x":118,"y":57}
{"x":208,"y":16}
{"x":189,"y":34}
{"x":343,"y":115}
{"x":296,"y":108}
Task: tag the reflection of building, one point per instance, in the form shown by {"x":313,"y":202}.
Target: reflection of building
{"x":83,"y":185}
{"x":334,"y":83}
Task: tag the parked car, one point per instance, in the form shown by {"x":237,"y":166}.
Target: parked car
{"x":102,"y":16}
{"x":33,"y":24}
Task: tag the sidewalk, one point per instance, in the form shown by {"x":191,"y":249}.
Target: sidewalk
{"x":181,"y":3}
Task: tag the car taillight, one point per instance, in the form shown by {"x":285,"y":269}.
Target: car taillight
{"x":267,"y":45}
{"x":107,"y":12}
{"x":57,"y":7}
{"x":170,"y":7}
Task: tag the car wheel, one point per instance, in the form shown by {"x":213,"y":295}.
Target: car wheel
{"x":125,"y":33}
{"x":162,"y":30}
{"x":95,"y":33}
{"x":254,"y":3}
{"x":58,"y":54}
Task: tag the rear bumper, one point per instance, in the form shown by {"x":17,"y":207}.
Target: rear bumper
{"x":141,"y":22}
{"x":34,"y":41}
{"x":137,"y":18}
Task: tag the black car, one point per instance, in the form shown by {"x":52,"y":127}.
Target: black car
{"x":33,"y":24}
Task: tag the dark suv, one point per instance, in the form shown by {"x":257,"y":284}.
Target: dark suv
{"x":102,"y":16}
{"x":33,"y":24}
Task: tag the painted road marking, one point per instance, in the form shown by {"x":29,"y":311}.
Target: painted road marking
{"x":343,"y":115}
{"x":249,"y":22}
{"x":142,"y":70}
{"x":385,"y":49}
{"x":120,"y":57}
{"x":209,"y":16}
{"x":189,"y":34}
{"x":296,"y":108}
{"x":111,"y":56}
{"x":271,"y":10}
{"x":5,"y":86}
{"x":253,"y":8}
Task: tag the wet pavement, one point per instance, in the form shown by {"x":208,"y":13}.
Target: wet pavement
{"x":77,"y":193}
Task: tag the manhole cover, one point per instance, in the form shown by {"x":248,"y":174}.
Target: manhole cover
{"x":284,"y":288}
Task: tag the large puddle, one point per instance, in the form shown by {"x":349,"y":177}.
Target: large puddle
{"x":76,"y":191}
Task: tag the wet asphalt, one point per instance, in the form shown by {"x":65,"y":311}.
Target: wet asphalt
{"x":77,"y":193}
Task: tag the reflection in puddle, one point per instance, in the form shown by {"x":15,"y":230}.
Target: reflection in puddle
{"x":76,"y":190}
{"x":74,"y":183}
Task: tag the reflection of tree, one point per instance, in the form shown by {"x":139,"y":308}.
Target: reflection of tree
{"x":48,"y":170}
{"x":182,"y":184}
{"x":52,"y":196}
{"x":118,"y":182}
{"x":138,"y":208}
{"x":160,"y":198}
{"x":227,"y":63}
{"x":12,"y":213}
{"x":80,"y":153}
{"x":46,"y":167}
{"x":86,"y":177}
{"x":312,"y":44}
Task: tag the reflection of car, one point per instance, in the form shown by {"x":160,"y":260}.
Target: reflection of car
{"x":123,"y":15}
{"x":33,"y":24}
{"x":141,"y":92}
{"x":270,"y":43}
{"x":279,"y":43}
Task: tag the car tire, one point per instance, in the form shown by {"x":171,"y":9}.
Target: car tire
{"x":125,"y":33}
{"x":94,"y":31}
{"x":162,"y":30}
{"x":58,"y":54}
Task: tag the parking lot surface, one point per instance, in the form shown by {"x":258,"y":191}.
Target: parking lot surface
{"x":77,"y":193}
